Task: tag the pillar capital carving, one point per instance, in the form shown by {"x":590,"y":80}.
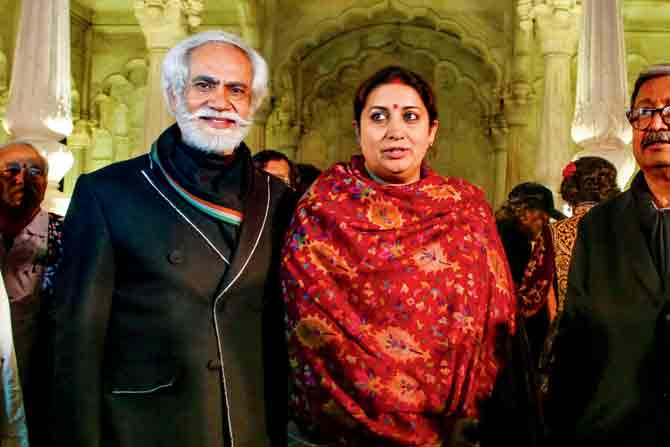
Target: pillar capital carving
{"x":524,"y":9}
{"x":166,"y":22}
{"x":557,"y":25}
{"x":498,"y":131}
{"x":519,"y":96}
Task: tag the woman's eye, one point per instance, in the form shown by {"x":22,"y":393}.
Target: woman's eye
{"x":410,"y":116}
{"x":377,"y":116}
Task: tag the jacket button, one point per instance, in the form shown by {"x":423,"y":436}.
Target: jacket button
{"x":213,"y":365}
{"x":176,"y":257}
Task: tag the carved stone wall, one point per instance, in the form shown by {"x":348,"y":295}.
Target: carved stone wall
{"x":114,"y":99}
{"x":325,"y":69}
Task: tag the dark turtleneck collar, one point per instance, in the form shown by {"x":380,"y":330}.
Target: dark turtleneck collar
{"x":221,"y":179}
{"x":655,"y":225}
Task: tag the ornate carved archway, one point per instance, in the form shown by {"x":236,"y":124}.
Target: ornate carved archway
{"x":314,"y":85}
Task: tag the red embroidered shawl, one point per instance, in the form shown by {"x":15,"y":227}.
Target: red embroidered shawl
{"x":395,"y":296}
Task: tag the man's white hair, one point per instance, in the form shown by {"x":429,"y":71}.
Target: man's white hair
{"x":175,"y":69}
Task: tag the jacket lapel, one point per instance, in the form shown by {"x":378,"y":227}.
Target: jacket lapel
{"x":256,"y":217}
{"x":636,"y":249}
{"x":188,"y":216}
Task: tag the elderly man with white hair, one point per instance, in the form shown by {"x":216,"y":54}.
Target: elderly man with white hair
{"x":168,"y":330}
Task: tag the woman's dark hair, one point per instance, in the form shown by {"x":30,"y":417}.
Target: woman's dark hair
{"x":390,"y":75}
{"x":262,"y":158}
{"x":592,"y":179}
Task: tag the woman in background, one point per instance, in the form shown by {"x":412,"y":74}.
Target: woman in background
{"x":586,"y":182}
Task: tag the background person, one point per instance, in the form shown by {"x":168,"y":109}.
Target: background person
{"x":275,"y":163}
{"x":29,"y":254}
{"x":528,"y":208}
{"x":586,"y":182}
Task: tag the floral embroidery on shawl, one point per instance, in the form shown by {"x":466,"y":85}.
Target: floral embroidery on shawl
{"x":550,"y":263}
{"x":395,"y":298}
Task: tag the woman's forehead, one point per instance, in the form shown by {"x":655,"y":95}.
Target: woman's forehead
{"x":388,"y":95}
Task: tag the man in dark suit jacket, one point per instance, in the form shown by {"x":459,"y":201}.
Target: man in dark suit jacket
{"x":168,"y":327}
{"x":611,"y":382}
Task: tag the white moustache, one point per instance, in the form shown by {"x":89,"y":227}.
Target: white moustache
{"x":209,"y":113}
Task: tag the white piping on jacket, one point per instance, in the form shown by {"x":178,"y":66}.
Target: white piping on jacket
{"x":149,"y":391}
{"x":216,"y":302}
{"x":211,"y":245}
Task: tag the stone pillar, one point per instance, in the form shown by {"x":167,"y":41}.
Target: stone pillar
{"x":4,"y":88}
{"x":247,"y":13}
{"x":518,"y":95}
{"x":600,"y":125}
{"x":498,"y":134}
{"x":39,"y":101}
{"x":78,"y":142}
{"x":556,"y":22}
{"x":517,"y":107}
{"x":164,"y":23}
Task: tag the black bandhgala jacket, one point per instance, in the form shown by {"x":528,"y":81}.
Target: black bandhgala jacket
{"x":607,"y":386}
{"x":156,"y":340}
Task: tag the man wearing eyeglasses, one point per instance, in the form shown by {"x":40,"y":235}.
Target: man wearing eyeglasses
{"x":29,"y":252}
{"x":611,"y":385}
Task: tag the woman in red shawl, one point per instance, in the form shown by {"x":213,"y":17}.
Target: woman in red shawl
{"x":395,"y":283}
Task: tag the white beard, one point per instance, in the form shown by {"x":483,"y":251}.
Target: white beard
{"x":205,"y":138}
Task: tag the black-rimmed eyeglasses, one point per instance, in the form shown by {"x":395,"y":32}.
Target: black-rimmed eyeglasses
{"x":13,"y":168}
{"x":642,"y":117}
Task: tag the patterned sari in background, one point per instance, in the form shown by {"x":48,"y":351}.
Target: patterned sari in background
{"x":396,"y":296}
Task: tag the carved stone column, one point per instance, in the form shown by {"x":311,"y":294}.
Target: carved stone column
{"x":517,"y":107}
{"x":164,"y":23}
{"x":39,"y":100}
{"x":556,"y":22}
{"x":600,"y":125}
{"x":247,"y":12}
{"x":78,"y":142}
{"x":498,"y":134}
{"x":518,"y":93}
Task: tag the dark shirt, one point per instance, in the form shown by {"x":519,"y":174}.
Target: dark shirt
{"x":517,"y":247}
{"x":655,"y":226}
{"x":219,"y":179}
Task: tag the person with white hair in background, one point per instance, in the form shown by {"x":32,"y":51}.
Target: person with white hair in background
{"x":168,"y":327}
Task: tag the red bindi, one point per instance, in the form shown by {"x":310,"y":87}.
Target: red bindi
{"x":395,"y":106}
